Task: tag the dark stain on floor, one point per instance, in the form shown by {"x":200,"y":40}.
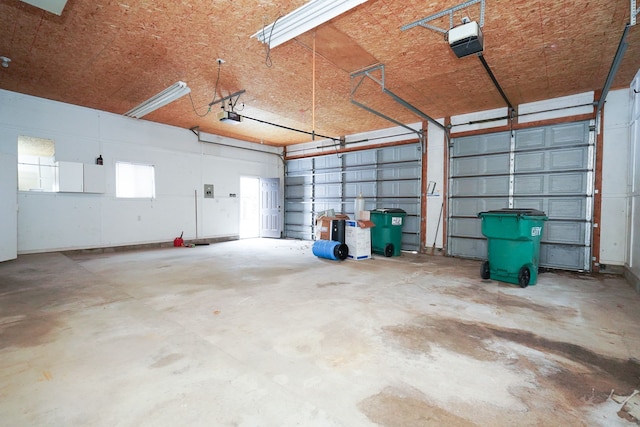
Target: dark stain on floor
{"x":585,"y":377}
{"x":327,"y":284}
{"x":397,"y":408}
{"x":28,"y":331}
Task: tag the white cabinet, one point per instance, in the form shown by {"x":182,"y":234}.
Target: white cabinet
{"x":94,"y":179}
{"x":73,"y":177}
{"x":69,"y":177}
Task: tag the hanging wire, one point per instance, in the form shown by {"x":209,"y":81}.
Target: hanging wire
{"x":268,"y":62}
{"x":215,"y":93}
{"x":196,"y":111}
{"x":215,"y":89}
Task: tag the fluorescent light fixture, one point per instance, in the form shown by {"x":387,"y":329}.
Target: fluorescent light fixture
{"x":303,"y":19}
{"x":168,"y":95}
{"x":53,"y":6}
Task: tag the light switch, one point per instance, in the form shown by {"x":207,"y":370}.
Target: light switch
{"x":208,"y":191}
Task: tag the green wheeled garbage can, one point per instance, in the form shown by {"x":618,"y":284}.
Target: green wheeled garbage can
{"x":386,"y":236}
{"x":513,"y":245}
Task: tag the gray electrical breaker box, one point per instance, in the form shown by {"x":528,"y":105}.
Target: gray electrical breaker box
{"x":208,"y":191}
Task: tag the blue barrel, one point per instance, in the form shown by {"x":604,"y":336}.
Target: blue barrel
{"x":330,"y":249}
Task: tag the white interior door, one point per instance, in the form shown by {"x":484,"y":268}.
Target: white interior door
{"x":270,"y":207}
{"x":8,"y":207}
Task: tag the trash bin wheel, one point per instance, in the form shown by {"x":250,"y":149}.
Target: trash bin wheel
{"x":524,"y":276}
{"x":388,"y":250}
{"x":485,"y":273}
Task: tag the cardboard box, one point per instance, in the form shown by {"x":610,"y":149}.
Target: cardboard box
{"x":323,"y":226}
{"x":358,"y":239}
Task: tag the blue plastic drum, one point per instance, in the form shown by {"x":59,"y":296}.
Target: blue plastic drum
{"x":330,"y":249}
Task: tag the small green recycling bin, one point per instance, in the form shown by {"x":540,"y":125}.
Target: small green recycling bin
{"x":513,"y":245}
{"x":386,"y":236}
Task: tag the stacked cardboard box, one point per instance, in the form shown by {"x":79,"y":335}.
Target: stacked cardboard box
{"x":323,"y":225}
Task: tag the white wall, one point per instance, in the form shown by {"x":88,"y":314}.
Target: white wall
{"x":633,"y":251}
{"x":8,"y":206}
{"x":54,"y":221}
{"x":615,"y":184}
{"x":436,"y":146}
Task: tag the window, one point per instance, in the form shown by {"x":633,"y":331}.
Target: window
{"x":36,"y":164}
{"x":135,"y":181}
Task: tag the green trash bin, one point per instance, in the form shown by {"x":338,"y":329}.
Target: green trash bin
{"x":386,"y":236}
{"x":513,"y":245}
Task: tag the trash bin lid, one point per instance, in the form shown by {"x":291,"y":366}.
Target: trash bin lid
{"x":389,"y":210}
{"x":512,"y":211}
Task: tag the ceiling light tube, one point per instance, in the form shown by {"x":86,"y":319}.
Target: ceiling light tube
{"x":303,"y":19}
{"x":168,"y":95}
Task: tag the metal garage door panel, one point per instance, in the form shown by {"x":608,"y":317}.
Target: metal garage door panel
{"x":399,"y":154}
{"x":328,"y":190}
{"x":468,"y":248}
{"x":298,"y":217}
{"x":565,"y":257}
{"x":568,"y":134}
{"x":551,"y":184}
{"x":566,"y":232}
{"x":325,"y":205}
{"x":482,"y":144}
{"x":327,"y":162}
{"x":298,"y":190}
{"x":471,"y":206}
{"x":552,"y":136}
{"x":359,"y":158}
{"x":411,"y":208}
{"x":399,"y":188}
{"x":568,"y":183}
{"x":386,"y":177}
{"x":550,"y":161}
{"x":327,"y":176}
{"x":527,"y":139}
{"x":488,"y":186}
{"x":353,"y":189}
{"x":360,"y":175}
{"x":485,"y":165}
{"x":552,"y":172}
{"x":557,"y":208}
{"x":401,"y":171}
{"x":466,"y":227}
{"x":299,"y":166}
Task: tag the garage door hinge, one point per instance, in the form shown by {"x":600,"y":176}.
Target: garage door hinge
{"x":592,"y":128}
{"x":595,"y":225}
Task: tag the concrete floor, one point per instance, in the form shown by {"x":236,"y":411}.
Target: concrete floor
{"x":262,"y":333}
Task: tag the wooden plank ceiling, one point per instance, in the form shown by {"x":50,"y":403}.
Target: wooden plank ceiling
{"x":112,"y":55}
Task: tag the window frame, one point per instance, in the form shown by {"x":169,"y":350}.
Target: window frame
{"x":132,"y":193}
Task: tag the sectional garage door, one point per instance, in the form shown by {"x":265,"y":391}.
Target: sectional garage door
{"x":546,"y":168}
{"x":386,"y":177}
